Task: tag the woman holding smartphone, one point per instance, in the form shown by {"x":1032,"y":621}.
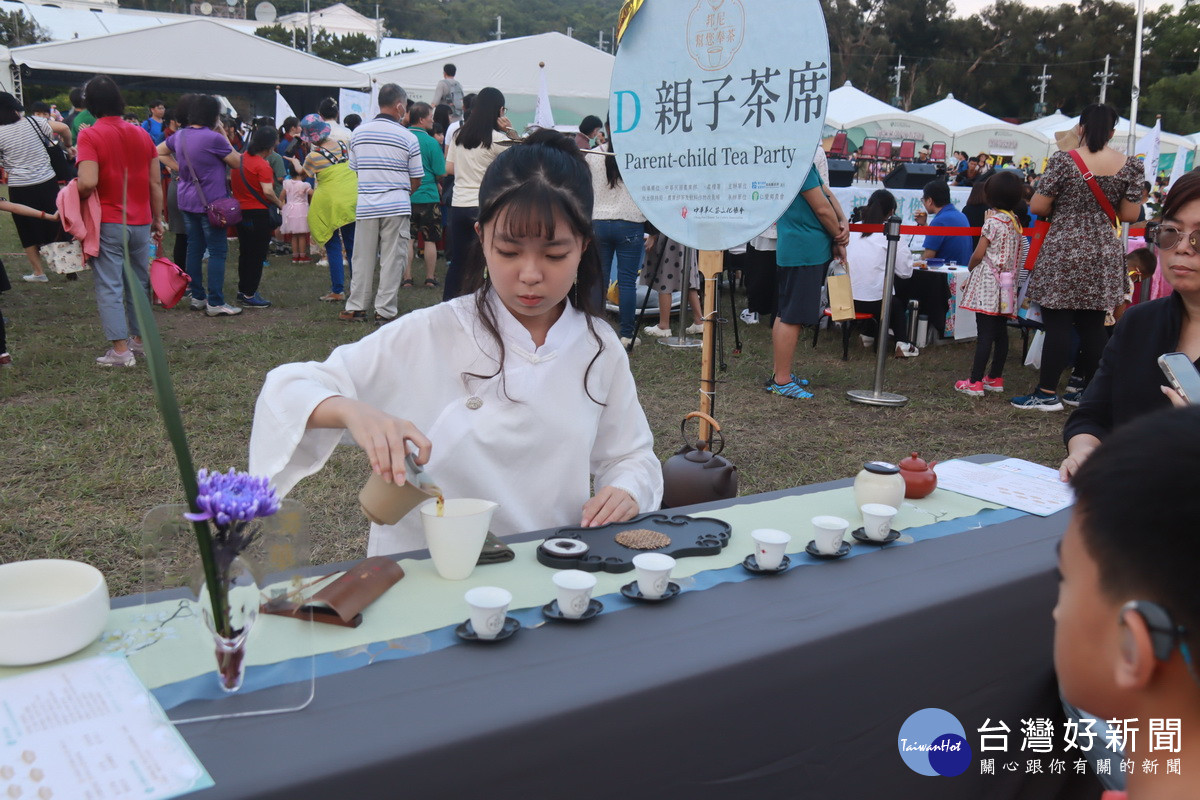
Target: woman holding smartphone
{"x":1129,"y":381}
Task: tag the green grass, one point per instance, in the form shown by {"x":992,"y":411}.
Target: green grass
{"x":83,"y":453}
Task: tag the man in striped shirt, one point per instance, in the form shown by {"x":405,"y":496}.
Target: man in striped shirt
{"x":387,"y":158}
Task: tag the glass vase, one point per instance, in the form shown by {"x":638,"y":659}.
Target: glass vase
{"x":236,"y":608}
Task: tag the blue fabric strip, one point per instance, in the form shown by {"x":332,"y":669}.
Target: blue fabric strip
{"x":204,"y":687}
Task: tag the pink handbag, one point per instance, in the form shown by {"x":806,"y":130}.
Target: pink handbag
{"x":168,"y":281}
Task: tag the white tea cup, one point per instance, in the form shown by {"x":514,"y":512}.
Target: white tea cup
{"x":828,"y":533}
{"x":574,"y":590}
{"x":877,"y":520}
{"x":653,"y":573}
{"x":769,"y":545}
{"x":489,"y":606}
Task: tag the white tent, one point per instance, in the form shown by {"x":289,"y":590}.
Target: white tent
{"x":847,"y":103}
{"x":1060,"y":122}
{"x":577,"y":74}
{"x":1004,"y":140}
{"x":195,"y":49}
{"x":955,"y":115}
{"x":62,"y":24}
{"x":896,"y":127}
{"x":1048,"y":126}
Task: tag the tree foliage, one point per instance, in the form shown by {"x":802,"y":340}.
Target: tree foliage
{"x":16,"y":29}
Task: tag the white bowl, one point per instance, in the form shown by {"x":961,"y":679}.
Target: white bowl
{"x":49,"y":608}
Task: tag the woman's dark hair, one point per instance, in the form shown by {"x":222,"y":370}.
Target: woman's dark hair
{"x":612,"y":170}
{"x":477,"y":130}
{"x":1097,"y":122}
{"x":880,"y":206}
{"x":10,"y":109}
{"x":1005,"y":191}
{"x":103,"y":98}
{"x":538,"y":184}
{"x":182,"y":109}
{"x":205,"y":111}
{"x":352,"y":121}
{"x":328,"y":109}
{"x":589,"y":125}
{"x":978,"y":195}
{"x":1186,"y":190}
{"x":287,"y":125}
{"x":441,"y":115}
{"x":263,"y":140}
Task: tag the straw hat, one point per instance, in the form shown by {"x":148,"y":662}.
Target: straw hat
{"x":1070,"y":139}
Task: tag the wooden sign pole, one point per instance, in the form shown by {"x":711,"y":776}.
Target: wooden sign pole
{"x":711,"y":264}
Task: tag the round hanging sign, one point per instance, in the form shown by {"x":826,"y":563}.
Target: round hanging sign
{"x":716,"y":110}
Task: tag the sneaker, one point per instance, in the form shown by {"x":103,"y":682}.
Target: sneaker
{"x":382,"y":319}
{"x":255,"y":300}
{"x":657,"y":332}
{"x":198,"y":304}
{"x":627,"y":340}
{"x":1076,"y":383}
{"x":749,"y":317}
{"x":137,"y":347}
{"x":353,"y":316}
{"x":223,"y":310}
{"x":906,"y":350}
{"x":114,"y":359}
{"x":36,"y":278}
{"x":5,"y":360}
{"x":790,"y":389}
{"x":867,"y":341}
{"x":697,"y":328}
{"x":1037,"y":400}
{"x":969,"y":388}
{"x":795,"y":379}
{"x":1072,"y":398}
{"x":993,"y":384}
{"x":324,"y":262}
{"x":332,"y":297}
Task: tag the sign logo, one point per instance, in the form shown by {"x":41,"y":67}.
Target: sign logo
{"x":933,"y":742}
{"x":715,"y":31}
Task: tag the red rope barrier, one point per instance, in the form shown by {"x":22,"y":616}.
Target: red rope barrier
{"x":934,"y":230}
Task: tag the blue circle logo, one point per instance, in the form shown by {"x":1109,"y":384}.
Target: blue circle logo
{"x":933,"y":742}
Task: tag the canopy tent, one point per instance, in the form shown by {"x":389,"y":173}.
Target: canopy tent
{"x":955,"y":115}
{"x":847,"y":103}
{"x":191,"y":50}
{"x":895,"y":127}
{"x":1048,"y":126}
{"x":1060,"y":122}
{"x":577,"y":74}
{"x":1004,"y":140}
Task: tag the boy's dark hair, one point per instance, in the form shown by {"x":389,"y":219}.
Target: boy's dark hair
{"x":1005,"y":190}
{"x":156,"y":104}
{"x":103,"y":98}
{"x":39,"y":107}
{"x":352,"y":121}
{"x":450,"y":70}
{"x":76,"y":97}
{"x":535,"y":182}
{"x":938,"y":192}
{"x":1132,"y":500}
{"x":589,"y":124}
{"x":328,"y":109}
{"x":1143,"y":260}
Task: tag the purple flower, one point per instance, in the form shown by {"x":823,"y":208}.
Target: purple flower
{"x":232,"y":497}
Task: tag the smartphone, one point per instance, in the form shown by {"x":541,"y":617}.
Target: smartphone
{"x":1182,"y":375}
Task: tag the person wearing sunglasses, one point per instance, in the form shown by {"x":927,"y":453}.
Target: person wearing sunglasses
{"x":1127,"y":620}
{"x":1128,"y":382}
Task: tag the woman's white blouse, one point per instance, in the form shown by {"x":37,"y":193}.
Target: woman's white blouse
{"x":533,"y":451}
{"x":865,"y":259}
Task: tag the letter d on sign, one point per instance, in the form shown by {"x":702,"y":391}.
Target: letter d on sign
{"x":637,"y":111}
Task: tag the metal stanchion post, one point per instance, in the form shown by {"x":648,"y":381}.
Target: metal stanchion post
{"x":682,"y":340}
{"x":878,"y":397}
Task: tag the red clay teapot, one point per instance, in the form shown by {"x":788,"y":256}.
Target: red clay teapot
{"x":919,"y":478}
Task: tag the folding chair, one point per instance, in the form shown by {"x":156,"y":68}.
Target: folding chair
{"x":908,"y":150}
{"x":937,"y":152}
{"x":840,"y":146}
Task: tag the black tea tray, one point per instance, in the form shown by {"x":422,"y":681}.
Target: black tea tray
{"x":690,"y":536}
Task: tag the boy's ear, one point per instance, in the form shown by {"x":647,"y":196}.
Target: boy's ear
{"x":1137,"y":658}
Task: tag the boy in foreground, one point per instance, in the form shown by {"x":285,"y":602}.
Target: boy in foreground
{"x":1128,"y":613}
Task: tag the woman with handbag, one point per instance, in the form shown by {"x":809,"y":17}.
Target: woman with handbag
{"x":1080,"y":270}
{"x":25,"y":148}
{"x":200,"y":154}
{"x":119,"y":163}
{"x":254,"y":189}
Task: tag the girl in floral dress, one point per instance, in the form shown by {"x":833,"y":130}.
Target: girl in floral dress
{"x":991,"y":289}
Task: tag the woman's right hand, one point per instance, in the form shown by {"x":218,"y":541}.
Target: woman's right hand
{"x":383,"y":437}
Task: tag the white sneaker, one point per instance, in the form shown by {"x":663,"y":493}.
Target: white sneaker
{"x":197,"y":304}
{"x":905,"y":350}
{"x":625,"y":340}
{"x":324,"y":262}
{"x":223,"y":310}
{"x":867,"y":341}
{"x":114,"y":359}
{"x":43,"y":278}
{"x":657,"y":332}
{"x":749,"y":317}
{"x":697,"y":328}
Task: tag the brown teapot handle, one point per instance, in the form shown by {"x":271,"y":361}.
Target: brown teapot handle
{"x":700,"y":444}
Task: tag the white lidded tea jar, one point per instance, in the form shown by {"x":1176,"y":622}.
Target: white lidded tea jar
{"x":879,"y":482}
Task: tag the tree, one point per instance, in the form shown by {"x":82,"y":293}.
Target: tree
{"x":16,"y":29}
{"x":276,"y":33}
{"x":1177,"y":98}
{"x":353,"y":48}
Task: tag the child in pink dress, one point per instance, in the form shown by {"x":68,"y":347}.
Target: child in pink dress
{"x":295,"y":215}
